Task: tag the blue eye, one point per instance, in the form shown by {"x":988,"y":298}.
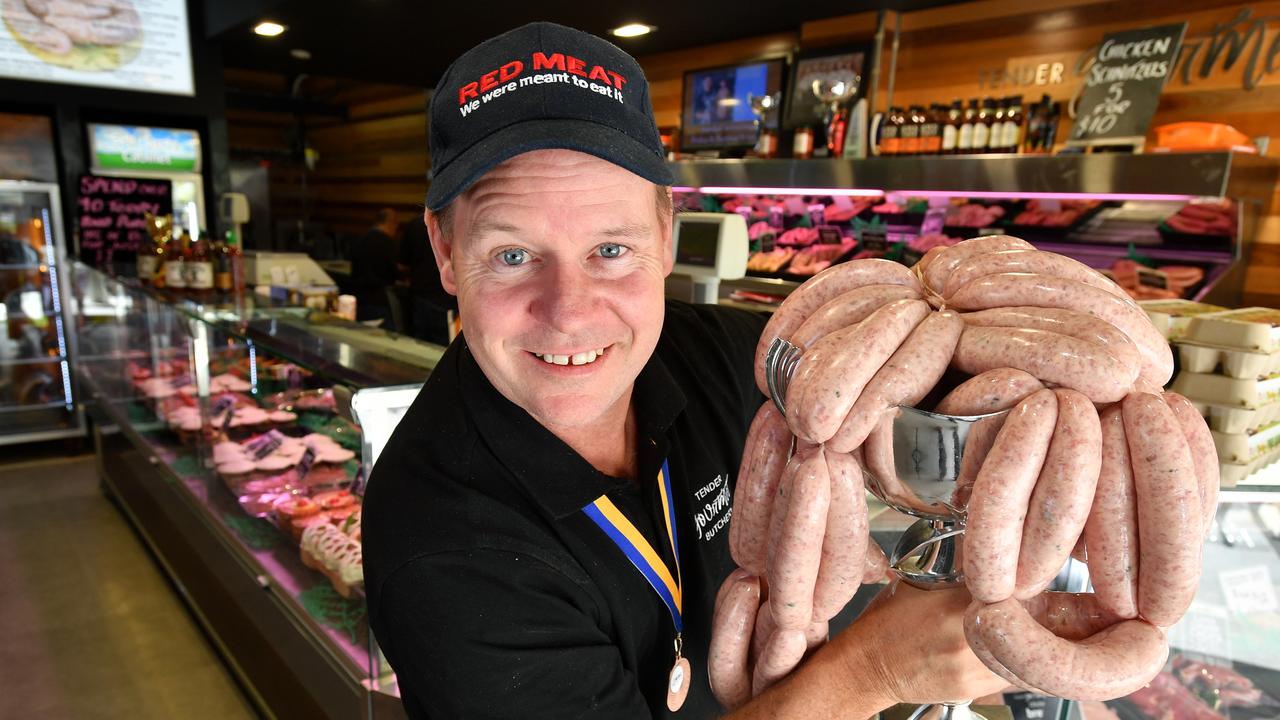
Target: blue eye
{"x":611,"y":250}
{"x":514,"y":256}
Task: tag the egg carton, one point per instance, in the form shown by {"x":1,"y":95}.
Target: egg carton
{"x":1235,"y":363}
{"x":1243,"y":448}
{"x":1261,"y":470}
{"x":1236,"y":420}
{"x":1171,"y":317}
{"x":1254,"y":329}
{"x":1250,"y":393}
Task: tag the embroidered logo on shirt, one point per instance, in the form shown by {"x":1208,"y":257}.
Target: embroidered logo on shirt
{"x":717,"y":507}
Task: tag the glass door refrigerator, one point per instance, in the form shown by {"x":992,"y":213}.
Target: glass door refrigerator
{"x":36,"y":401}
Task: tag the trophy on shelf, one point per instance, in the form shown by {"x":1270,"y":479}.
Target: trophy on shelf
{"x":762,"y":106}
{"x":833,"y":92}
{"x":921,"y":479}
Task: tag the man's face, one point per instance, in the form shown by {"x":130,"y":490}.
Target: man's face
{"x":555,"y":255}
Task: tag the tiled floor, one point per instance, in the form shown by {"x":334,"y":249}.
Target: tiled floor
{"x":89,"y":628}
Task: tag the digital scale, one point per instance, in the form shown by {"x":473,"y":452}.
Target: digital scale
{"x":709,"y":247}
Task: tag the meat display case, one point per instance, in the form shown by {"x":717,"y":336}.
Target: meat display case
{"x":37,"y":400}
{"x":196,"y":411}
{"x":1131,"y":198}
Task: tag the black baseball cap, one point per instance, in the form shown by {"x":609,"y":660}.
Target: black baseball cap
{"x":538,"y":87}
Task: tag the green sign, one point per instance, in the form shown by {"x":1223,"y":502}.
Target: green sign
{"x":131,"y":147}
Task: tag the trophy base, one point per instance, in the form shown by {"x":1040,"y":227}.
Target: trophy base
{"x":945,"y":711}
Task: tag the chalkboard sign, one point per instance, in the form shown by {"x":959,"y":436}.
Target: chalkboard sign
{"x":1122,"y":87}
{"x":112,"y":213}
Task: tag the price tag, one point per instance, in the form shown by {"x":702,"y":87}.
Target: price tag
{"x":1050,"y":205}
{"x":305,"y":463}
{"x":1123,"y":86}
{"x":768,"y":241}
{"x":1249,"y":589}
{"x":874,"y":240}
{"x":842,"y":201}
{"x":357,"y":485}
{"x":829,"y":235}
{"x":934,"y":219}
{"x":294,"y":377}
{"x":1153,"y":278}
{"x":223,"y":404}
{"x":817,"y":215}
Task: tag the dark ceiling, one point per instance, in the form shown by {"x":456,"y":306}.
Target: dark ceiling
{"x":411,"y":43}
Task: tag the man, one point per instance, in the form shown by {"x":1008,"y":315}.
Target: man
{"x":373,"y":267}
{"x":495,"y":588}
{"x":429,"y":303}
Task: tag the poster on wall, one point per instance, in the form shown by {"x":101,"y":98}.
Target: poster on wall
{"x":111,"y":213}
{"x":124,"y":44}
{"x":802,"y":106}
{"x":135,"y":147}
{"x":1122,"y":88}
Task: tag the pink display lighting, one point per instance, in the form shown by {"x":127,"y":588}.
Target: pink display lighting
{"x":977,"y":194}
{"x":998,"y":195}
{"x":849,"y":192}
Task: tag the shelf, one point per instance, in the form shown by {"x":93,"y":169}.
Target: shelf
{"x":38,"y":360}
{"x":1106,"y":175}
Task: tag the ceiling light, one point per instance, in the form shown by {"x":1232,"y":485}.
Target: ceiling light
{"x":267,"y":28}
{"x":300,"y":54}
{"x":633,"y":30}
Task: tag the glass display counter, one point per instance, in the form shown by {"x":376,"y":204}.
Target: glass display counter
{"x":232,"y":437}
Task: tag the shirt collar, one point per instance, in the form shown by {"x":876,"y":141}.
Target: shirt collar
{"x":550,"y":471}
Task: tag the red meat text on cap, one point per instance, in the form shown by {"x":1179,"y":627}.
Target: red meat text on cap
{"x":541,"y":61}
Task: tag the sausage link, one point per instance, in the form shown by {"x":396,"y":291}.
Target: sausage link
{"x":731,"y":630}
{"x":766,"y":454}
{"x":1029,"y":261}
{"x":906,"y":377}
{"x":1054,"y":359}
{"x":793,"y":567}
{"x":875,"y":566}
{"x":848,"y":309}
{"x":937,"y":272}
{"x":1023,"y":289}
{"x":832,"y":374}
{"x":844,"y":545}
{"x":763,"y":631}
{"x":728,"y":584}
{"x":1108,"y":664}
{"x":1164,"y":477}
{"x":1070,"y":616}
{"x":1064,"y":322}
{"x":1063,"y":493}
{"x":1203,"y":452}
{"x":988,"y":392}
{"x":817,"y":290}
{"x":1111,"y":532}
{"x":781,"y":506}
{"x":780,"y":656}
{"x":998,"y":507}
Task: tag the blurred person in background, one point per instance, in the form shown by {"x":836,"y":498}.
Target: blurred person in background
{"x":373,"y":268}
{"x":429,"y":304}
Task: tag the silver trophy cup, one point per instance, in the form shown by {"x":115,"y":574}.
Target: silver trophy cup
{"x":921,"y":475}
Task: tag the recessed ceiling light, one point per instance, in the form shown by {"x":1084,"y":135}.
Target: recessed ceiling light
{"x":633,"y":30}
{"x":267,"y":28}
{"x":300,"y":54}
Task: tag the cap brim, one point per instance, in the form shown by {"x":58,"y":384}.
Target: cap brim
{"x":584,"y":136}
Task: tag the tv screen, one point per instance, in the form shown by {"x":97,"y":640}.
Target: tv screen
{"x":126,"y":44}
{"x":716,"y":112}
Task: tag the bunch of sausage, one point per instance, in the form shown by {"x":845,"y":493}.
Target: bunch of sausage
{"x":1091,"y":459}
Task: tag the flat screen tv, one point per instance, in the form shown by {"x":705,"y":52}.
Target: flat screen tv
{"x":716,"y":106}
{"x":124,"y":44}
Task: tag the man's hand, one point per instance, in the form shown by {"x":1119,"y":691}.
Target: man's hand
{"x":912,"y":643}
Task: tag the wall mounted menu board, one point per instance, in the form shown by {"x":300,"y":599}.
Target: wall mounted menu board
{"x":126,"y":44}
{"x":1123,"y":86}
{"x":112,"y":216}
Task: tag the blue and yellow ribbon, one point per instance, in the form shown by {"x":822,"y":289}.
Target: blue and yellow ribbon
{"x":638,"y":550}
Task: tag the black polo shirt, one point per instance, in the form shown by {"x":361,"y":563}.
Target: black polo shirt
{"x":493,"y":595}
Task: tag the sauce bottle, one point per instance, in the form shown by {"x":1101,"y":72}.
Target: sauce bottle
{"x":964,"y":142}
{"x":802,"y":144}
{"x":1012,"y":130}
{"x":982,"y":125}
{"x":175,"y":264}
{"x":996,"y":137}
{"x":910,"y":132}
{"x":890,"y":132}
{"x":951,"y":129}
{"x":931,"y":131}
{"x":200,"y":267}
